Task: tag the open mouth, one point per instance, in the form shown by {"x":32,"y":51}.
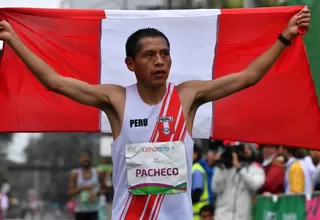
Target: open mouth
{"x":159,"y":73}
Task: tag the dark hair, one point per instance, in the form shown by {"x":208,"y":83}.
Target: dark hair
{"x":271,"y":145}
{"x":198,"y":150}
{"x":207,"y":208}
{"x":88,"y":152}
{"x":296,"y":152}
{"x":133,"y":41}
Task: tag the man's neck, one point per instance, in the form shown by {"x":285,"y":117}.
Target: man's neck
{"x":151,"y":96}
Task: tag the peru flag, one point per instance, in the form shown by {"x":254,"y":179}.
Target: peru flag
{"x":205,"y":44}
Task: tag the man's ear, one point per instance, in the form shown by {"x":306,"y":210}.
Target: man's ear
{"x":130,"y":63}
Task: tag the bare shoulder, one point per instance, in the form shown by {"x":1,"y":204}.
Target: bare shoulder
{"x":188,"y":90}
{"x":115,"y":93}
{"x":112,"y":88}
{"x":190,"y":85}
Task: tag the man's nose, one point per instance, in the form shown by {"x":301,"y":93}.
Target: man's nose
{"x":159,"y":60}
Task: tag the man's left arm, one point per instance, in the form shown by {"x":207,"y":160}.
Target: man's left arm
{"x":207,"y":91}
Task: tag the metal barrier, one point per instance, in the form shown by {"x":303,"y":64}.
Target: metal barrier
{"x":287,"y":207}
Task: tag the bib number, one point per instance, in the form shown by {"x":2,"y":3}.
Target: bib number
{"x":156,"y":168}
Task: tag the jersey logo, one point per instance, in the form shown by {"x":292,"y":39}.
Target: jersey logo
{"x":139,"y":122}
{"x":165,"y":119}
{"x":166,"y":125}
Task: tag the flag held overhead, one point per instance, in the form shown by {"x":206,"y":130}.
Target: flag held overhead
{"x":205,"y":44}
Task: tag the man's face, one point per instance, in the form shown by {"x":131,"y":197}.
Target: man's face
{"x":247,"y":151}
{"x":315,"y":155}
{"x":194,"y":156}
{"x":211,"y":157}
{"x":85,"y":160}
{"x":268,"y":151}
{"x":206,"y":216}
{"x":152,"y":62}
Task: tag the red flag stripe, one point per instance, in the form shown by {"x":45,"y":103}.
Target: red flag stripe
{"x":72,"y":48}
{"x":285,"y":103}
{"x":92,"y":14}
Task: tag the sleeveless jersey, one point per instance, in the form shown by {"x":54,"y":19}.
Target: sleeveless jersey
{"x":94,"y":179}
{"x":140,"y":125}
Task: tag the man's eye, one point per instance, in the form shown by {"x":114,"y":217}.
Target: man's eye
{"x":166,"y":53}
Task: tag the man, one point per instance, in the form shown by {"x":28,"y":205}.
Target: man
{"x":207,"y":213}
{"x":4,"y":201}
{"x":155,"y":113}
{"x":209,"y":165}
{"x":236,"y":180}
{"x":315,"y":155}
{"x":199,"y":193}
{"x":300,"y":174}
{"x":274,"y":170}
{"x":34,"y":203}
{"x":85,"y":186}
{"x":289,"y":157}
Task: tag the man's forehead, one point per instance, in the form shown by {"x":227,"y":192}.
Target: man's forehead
{"x":153,"y":43}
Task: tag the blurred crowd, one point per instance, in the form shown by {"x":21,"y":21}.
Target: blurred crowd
{"x":228,"y":176}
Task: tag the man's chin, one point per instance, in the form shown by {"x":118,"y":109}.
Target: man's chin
{"x":159,"y":83}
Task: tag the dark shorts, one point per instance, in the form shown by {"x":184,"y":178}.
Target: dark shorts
{"x":109,"y":195}
{"x":86,"y":215}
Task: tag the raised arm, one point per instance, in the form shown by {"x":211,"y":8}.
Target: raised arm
{"x":82,"y":92}
{"x":206,"y":91}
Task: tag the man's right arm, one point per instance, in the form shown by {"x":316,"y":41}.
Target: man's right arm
{"x":82,"y":92}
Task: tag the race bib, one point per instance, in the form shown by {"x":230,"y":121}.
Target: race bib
{"x":156,"y":168}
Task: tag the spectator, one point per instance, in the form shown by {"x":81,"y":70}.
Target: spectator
{"x":273,"y":166}
{"x":4,"y":203}
{"x":315,"y":155}
{"x":207,"y":213}
{"x":235,"y":182}
{"x":290,"y":159}
{"x":300,"y":174}
{"x":209,"y":165}
{"x":199,"y":193}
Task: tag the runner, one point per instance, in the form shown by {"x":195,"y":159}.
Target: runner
{"x":85,"y":187}
{"x":152,"y":120}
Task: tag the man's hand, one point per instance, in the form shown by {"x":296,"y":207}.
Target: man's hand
{"x":93,"y":196}
{"x":300,"y":22}
{"x":235,"y":160}
{"x":6,"y":31}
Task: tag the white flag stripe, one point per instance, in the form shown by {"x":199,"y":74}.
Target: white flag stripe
{"x":192,"y":35}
